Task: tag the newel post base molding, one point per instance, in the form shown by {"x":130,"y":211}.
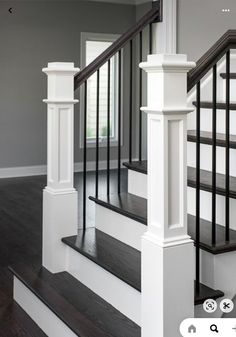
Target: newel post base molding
{"x":60,"y":199}
{"x":167,"y":250}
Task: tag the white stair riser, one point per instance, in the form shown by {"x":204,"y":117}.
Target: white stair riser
{"x":232,"y":90}
{"x":206,"y":200}
{"x":206,"y":206}
{"x":137,"y":183}
{"x":119,"y":226}
{"x":217,"y":272}
{"x":49,"y":323}
{"x":119,"y":294}
{"x":206,"y":121}
{"x":206,"y":158}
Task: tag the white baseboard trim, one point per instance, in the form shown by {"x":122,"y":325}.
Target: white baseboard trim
{"x":22,"y":171}
{"x":48,"y":322}
{"x":37,"y":170}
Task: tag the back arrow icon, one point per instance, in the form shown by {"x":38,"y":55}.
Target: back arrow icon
{"x":10,"y":10}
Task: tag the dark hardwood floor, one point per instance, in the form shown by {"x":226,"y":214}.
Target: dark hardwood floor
{"x":21,"y":239}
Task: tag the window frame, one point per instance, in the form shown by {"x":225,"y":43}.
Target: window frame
{"x":88,"y":36}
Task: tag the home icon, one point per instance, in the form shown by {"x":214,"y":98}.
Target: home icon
{"x":192,"y":329}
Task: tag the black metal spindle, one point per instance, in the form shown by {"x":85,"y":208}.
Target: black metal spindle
{"x":97,"y":134}
{"x":131,"y":103}
{"x":214,"y":96}
{"x":85,"y":157}
{"x":140,"y":94}
{"x":198,"y":126}
{"x":108,"y":123}
{"x":227,"y":149}
{"x":119,"y":122}
{"x":150,"y":38}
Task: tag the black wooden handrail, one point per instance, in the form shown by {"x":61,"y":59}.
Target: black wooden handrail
{"x":155,"y":14}
{"x":211,"y":57}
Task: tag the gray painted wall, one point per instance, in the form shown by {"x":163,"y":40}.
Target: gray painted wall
{"x":37,"y":33}
{"x":201,"y":23}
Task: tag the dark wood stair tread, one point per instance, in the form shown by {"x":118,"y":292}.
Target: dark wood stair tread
{"x":119,"y":259}
{"x":232,"y":76}
{"x":206,"y":231}
{"x":206,"y":138}
{"x":206,"y":182}
{"x":139,"y":206}
{"x":116,"y":257}
{"x":219,"y":105}
{"x":126,"y":204}
{"x":205,"y":292}
{"x":84,"y":312}
{"x":138,"y":166}
{"x":205,"y":178}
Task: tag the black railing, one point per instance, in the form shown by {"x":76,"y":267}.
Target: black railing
{"x":125,"y":44}
{"x":210,"y":63}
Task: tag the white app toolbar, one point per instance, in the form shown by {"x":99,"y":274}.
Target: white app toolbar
{"x":208,"y":327}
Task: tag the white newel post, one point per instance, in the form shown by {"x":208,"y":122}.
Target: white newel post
{"x":165,"y":32}
{"x":59,"y":197}
{"x":167,"y":250}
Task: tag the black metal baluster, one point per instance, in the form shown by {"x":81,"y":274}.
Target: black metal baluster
{"x":140,"y":94}
{"x":150,"y":38}
{"x":97,"y":134}
{"x":227,"y":149}
{"x":131,"y":103}
{"x":108,"y":123}
{"x":119,"y":123}
{"x":198,"y":126}
{"x":214,"y":96}
{"x":85,"y":157}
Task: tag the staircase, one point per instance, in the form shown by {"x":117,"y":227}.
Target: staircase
{"x":91,"y":283}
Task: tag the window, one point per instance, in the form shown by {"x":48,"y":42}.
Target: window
{"x":92,"y":46}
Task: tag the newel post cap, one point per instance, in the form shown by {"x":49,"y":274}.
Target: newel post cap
{"x":167,"y":62}
{"x":61,"y":67}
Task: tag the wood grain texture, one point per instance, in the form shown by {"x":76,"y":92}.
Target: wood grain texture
{"x":84,"y":312}
{"x":126,"y":204}
{"x":21,"y":239}
{"x":116,"y":257}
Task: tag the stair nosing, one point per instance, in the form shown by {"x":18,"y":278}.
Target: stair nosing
{"x":220,"y":249}
{"x":128,"y":214}
{"x":105,"y":267}
{"x":50,"y":289}
{"x":43,"y":300}
{"x":219,"y":105}
{"x":192,"y":138}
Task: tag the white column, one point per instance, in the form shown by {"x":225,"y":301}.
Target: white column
{"x":165,"y":32}
{"x":60,"y":203}
{"x":167,"y":250}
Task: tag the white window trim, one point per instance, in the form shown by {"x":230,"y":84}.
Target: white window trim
{"x":85,"y":36}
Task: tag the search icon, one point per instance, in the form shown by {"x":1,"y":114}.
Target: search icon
{"x":214,"y":328}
